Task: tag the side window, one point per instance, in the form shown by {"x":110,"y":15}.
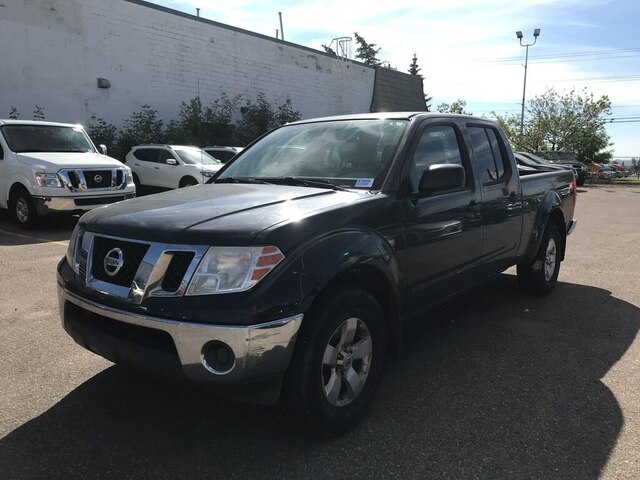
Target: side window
{"x":161,"y":155}
{"x":144,"y":154}
{"x":437,"y":144}
{"x":486,"y":162}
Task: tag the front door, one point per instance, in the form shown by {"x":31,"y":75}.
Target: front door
{"x":443,"y":232}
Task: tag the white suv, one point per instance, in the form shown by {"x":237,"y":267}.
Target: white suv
{"x":171,"y":166}
{"x":48,"y":167}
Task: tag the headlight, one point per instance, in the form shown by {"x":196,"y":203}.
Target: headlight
{"x":73,"y":250}
{"x":128,"y":176}
{"x":233,"y":269}
{"x":48,"y":179}
{"x":208,"y":174}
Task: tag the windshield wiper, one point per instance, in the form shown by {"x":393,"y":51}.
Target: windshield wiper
{"x":303,"y":182}
{"x":237,"y":180}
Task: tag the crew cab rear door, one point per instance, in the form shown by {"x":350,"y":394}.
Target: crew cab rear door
{"x":443,"y":231}
{"x":501,"y":196}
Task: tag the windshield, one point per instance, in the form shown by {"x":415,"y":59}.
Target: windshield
{"x":46,"y":138}
{"x":346,"y":153}
{"x":193,"y":156}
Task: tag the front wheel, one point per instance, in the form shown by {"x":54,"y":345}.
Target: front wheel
{"x":23,"y":209}
{"x":541,"y":276}
{"x":338,"y":362}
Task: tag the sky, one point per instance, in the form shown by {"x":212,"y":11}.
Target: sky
{"x":468,"y":50}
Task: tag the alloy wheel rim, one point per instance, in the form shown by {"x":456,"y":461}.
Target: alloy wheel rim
{"x":550,"y":260}
{"x":22,"y":210}
{"x":346,"y":362}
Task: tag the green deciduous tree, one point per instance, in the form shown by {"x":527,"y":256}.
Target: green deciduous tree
{"x":260,"y":117}
{"x":572,"y":122}
{"x":455,"y":107}
{"x":103,"y":133}
{"x":367,"y":51}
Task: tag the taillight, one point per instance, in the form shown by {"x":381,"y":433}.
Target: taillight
{"x":574,"y":191}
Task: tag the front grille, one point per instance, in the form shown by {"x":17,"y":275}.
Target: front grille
{"x":132,"y":255}
{"x":83,"y":202}
{"x":176,"y":271}
{"x":97,"y":178}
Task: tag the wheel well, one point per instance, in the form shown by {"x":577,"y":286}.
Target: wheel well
{"x":557,"y":218}
{"x":374,"y":282}
{"x":186,"y":178}
{"x":14,"y":189}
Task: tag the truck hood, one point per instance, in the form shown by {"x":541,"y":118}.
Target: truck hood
{"x":51,"y":162}
{"x":221,"y":214}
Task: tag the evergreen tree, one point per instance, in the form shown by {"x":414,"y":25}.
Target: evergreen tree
{"x":367,"y":51}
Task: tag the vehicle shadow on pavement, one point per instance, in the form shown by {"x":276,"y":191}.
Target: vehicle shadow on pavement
{"x":54,"y":228}
{"x":494,"y":385}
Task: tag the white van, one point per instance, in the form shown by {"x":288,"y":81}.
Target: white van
{"x":48,"y":167}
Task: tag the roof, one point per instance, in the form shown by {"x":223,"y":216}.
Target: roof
{"x":37,"y":122}
{"x":389,"y":116}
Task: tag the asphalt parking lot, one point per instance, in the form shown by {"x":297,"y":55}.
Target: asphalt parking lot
{"x":494,"y":385}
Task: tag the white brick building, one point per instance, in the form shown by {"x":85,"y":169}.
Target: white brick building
{"x":52,"y":53}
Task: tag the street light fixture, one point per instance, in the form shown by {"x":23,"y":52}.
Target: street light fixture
{"x":536,"y":34}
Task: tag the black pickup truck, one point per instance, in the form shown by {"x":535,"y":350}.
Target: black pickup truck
{"x":291,"y":274}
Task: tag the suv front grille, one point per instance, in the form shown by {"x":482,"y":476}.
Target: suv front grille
{"x":132,"y":255}
{"x":98,"y":178}
{"x":176,"y":270}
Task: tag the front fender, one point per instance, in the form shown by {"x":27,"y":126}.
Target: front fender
{"x":328,"y":257}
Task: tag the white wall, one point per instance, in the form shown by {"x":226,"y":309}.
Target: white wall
{"x":53,"y":51}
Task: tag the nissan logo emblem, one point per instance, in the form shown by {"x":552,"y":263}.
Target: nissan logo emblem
{"x":113,"y":262}
{"x":97,"y":178}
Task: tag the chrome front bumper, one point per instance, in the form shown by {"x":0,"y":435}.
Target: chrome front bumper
{"x":260,"y":351}
{"x":46,"y":205}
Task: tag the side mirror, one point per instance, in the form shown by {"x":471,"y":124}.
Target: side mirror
{"x":103,"y":148}
{"x":171,"y":161}
{"x":441,"y":177}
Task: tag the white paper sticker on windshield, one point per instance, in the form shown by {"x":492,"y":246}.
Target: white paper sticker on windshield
{"x":364,"y":182}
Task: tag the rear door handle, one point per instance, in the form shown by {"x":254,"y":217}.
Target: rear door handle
{"x":137,"y":164}
{"x":157,"y":168}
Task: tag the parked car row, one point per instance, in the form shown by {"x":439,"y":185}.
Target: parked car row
{"x":607,"y":172}
{"x":160,"y":166}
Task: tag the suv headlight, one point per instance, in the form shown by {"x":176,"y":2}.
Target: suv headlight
{"x":128,"y":176}
{"x":48,"y":179}
{"x":233,"y":269}
{"x":208,"y":174}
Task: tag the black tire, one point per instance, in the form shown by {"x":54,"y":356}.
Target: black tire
{"x":137,"y":183}
{"x":187,"y":182}
{"x":23,"y":209}
{"x":540,"y":277}
{"x":309,"y":374}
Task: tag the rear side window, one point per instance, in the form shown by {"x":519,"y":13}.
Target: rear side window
{"x":489,"y":156}
{"x":147,"y":154}
{"x":437,"y":145}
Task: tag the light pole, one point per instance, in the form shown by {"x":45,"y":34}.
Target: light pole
{"x":536,"y":34}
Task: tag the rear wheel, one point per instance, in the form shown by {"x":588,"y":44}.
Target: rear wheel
{"x":541,"y":276}
{"x":23,"y":209}
{"x":338,"y":362}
